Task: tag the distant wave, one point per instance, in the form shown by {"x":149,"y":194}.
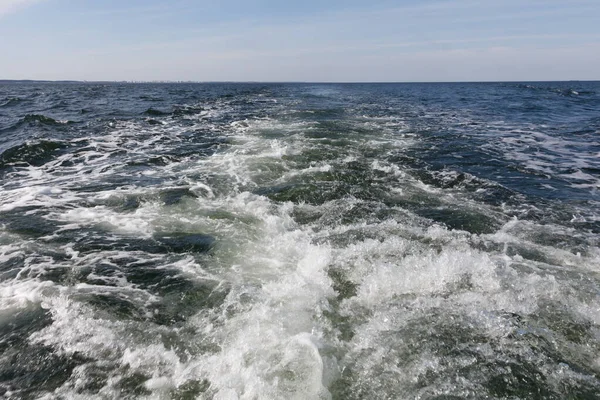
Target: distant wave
{"x":177,"y":111}
{"x":561,"y":91}
{"x":36,"y":120}
{"x":150,"y":98}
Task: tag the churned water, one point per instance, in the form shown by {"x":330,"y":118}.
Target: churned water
{"x":300,"y":241}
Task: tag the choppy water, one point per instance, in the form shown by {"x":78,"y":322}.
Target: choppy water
{"x":299,"y":241}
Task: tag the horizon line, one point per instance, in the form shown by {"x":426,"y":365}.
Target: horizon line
{"x":275,"y":82}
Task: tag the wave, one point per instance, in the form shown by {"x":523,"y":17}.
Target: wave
{"x":186,"y":110}
{"x":11,"y":102}
{"x":42,"y":120}
{"x":36,"y":153}
{"x":30,"y":120}
{"x":150,"y":98}
{"x":153,"y":112}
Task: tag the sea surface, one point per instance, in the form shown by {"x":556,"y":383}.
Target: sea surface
{"x":300,"y":241}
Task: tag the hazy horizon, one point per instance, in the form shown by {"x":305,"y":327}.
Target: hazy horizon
{"x":285,"y":82}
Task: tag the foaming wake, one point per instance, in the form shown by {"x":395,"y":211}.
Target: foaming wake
{"x":241,"y":249}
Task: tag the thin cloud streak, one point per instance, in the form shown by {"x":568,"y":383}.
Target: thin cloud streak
{"x":204,"y":43}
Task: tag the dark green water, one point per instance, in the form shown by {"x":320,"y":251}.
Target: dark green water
{"x":300,"y":241}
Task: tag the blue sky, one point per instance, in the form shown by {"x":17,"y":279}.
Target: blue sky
{"x":327,"y":40}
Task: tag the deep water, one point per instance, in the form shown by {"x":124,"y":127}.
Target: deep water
{"x":300,"y":241}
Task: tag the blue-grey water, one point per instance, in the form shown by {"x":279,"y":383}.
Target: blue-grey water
{"x":300,"y":241}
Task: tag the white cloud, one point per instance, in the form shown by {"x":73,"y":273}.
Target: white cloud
{"x":9,"y":6}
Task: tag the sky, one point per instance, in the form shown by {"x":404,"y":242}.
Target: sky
{"x":309,"y":40}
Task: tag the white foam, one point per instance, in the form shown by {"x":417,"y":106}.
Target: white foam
{"x":17,"y":294}
{"x":545,"y":153}
{"x":138,"y":222}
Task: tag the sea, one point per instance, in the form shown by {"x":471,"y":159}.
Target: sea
{"x":300,"y":241}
